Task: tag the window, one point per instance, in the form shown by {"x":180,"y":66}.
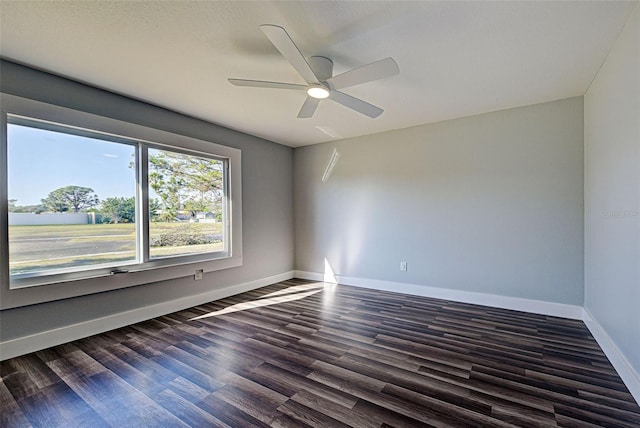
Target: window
{"x":72,"y":200}
{"x":90,"y":198}
{"x":186,"y":204}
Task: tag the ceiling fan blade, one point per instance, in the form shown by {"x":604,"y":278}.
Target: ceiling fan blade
{"x":376,"y":70}
{"x":281,"y":40}
{"x":264,"y":84}
{"x":308,"y":108}
{"x":355,"y":104}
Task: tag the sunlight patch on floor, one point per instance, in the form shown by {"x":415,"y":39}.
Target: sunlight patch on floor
{"x":285,"y":295}
{"x":295,"y":289}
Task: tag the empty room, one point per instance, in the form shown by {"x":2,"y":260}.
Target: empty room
{"x":319,"y":213}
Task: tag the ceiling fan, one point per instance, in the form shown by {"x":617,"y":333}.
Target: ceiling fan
{"x":318,"y":73}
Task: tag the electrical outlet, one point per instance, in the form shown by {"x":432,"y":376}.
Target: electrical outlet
{"x":403,"y":266}
{"x":198,"y":275}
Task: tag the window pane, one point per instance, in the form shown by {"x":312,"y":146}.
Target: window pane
{"x":71,"y":201}
{"x":185,"y":204}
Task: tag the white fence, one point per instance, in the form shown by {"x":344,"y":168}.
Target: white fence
{"x":31,"y":219}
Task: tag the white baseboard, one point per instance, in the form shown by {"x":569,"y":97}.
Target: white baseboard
{"x":46,"y":339}
{"x":311,"y":276}
{"x":496,"y":301}
{"x":629,"y":376}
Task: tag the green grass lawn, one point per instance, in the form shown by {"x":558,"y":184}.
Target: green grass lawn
{"x":70,"y":230}
{"x":37,"y":248}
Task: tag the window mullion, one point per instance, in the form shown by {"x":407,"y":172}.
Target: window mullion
{"x":4,"y":203}
{"x":226,"y":208}
{"x":142,"y":211}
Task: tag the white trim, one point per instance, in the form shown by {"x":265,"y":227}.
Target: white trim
{"x":496,"y":301}
{"x":311,"y":276}
{"x":46,"y":339}
{"x":625,"y":370}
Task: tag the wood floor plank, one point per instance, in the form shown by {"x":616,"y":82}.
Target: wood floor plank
{"x":344,"y":379}
{"x":335,"y":410}
{"x":306,"y":354}
{"x":187,"y":390}
{"x":228,"y":413}
{"x":309,"y":416}
{"x":186,"y":371}
{"x":251,"y":397}
{"x":186,"y":411}
{"x":11,"y":415}
{"x":289,"y":383}
{"x":441,"y":410}
{"x":385,"y":417}
{"x":63,"y":403}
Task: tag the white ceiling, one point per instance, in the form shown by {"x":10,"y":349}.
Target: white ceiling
{"x":456,"y":58}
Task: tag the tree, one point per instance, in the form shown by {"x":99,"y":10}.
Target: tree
{"x":154,"y":208}
{"x":119,"y":209}
{"x":13,"y":208}
{"x":123,"y":210}
{"x":185,"y":182}
{"x":70,"y":198}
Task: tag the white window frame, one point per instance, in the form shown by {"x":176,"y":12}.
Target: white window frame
{"x":32,"y":289}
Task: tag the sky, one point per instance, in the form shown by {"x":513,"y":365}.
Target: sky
{"x":41,"y":161}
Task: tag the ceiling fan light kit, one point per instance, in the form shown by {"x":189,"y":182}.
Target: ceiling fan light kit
{"x":319,"y":92}
{"x":318,"y":73}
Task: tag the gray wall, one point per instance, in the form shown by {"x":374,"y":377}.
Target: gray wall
{"x":490,"y":203}
{"x":267,"y":204}
{"x":612,"y":194}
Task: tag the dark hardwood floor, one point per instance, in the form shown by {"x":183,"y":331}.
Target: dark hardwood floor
{"x":300,"y":354}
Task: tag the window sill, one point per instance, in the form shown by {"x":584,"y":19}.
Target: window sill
{"x":23,"y":293}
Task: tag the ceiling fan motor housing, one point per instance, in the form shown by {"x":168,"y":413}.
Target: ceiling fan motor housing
{"x":322,"y":67}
